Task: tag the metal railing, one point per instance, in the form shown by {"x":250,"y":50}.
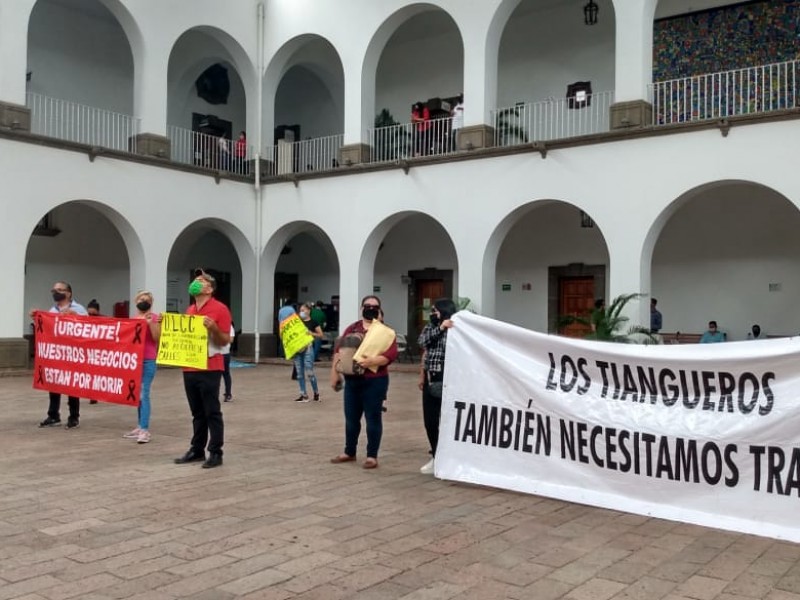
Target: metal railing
{"x":208,"y":151}
{"x":70,"y":121}
{"x":552,"y":119}
{"x":725,"y":94}
{"x":316,"y":154}
{"x":434,"y":137}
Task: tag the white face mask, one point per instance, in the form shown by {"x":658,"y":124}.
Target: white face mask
{"x":303,"y":314}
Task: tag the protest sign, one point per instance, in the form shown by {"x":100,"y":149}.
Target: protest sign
{"x":294,"y":335}
{"x":183,"y":341}
{"x":89,"y":357}
{"x":704,"y":434}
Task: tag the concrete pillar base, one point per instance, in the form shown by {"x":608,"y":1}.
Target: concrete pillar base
{"x":14,"y":116}
{"x":631,"y":115}
{"x":151,"y":144}
{"x":475,"y":136}
{"x":268,"y":343}
{"x":354,"y":154}
{"x":14,"y":353}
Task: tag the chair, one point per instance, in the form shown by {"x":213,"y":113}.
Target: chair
{"x":403,"y":348}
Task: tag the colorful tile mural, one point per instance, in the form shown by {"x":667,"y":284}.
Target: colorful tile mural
{"x":729,"y":37}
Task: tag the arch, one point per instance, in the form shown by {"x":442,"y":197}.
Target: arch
{"x":717,"y":250}
{"x":377,"y":44}
{"x":535,"y":249}
{"x":290,"y":55}
{"x":233,"y":53}
{"x":72,"y":83}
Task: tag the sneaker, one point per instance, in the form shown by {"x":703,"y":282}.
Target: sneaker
{"x":73,"y":423}
{"x":427,"y":468}
{"x":143,"y":437}
{"x":303,"y":398}
{"x":316,"y":397}
{"x":228,"y":398}
{"x":50,"y":422}
{"x":132,"y":434}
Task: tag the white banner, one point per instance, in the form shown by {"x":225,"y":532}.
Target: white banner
{"x":705,"y":434}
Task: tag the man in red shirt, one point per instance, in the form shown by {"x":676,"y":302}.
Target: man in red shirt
{"x":240,"y":153}
{"x":202,"y":387}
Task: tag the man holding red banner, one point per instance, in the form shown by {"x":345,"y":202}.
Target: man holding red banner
{"x":202,"y":386}
{"x":64,"y":304}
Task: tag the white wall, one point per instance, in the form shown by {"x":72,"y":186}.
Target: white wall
{"x":417,"y":66}
{"x":80,"y":56}
{"x":541,"y":52}
{"x":717,"y":257}
{"x":303,"y":99}
{"x":547,"y":236}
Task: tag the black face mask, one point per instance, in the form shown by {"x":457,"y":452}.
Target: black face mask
{"x":370,"y":314}
{"x":434,"y":320}
{"x":143,"y":306}
{"x":59,"y":296}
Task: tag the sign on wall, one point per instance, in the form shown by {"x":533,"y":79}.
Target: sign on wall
{"x":704,"y":434}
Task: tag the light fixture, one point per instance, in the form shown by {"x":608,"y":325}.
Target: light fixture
{"x":590,"y":13}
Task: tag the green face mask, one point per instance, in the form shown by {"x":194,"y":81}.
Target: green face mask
{"x":195,"y":288}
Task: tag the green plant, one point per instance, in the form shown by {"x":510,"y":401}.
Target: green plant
{"x":391,"y":142}
{"x":508,"y":128}
{"x":608,"y":324}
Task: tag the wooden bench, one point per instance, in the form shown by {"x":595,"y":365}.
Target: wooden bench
{"x":681,"y":338}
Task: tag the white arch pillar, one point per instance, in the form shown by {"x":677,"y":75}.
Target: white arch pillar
{"x":150,"y":63}
{"x":633,"y":68}
{"x":14,"y":19}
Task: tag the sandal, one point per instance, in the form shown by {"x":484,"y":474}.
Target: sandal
{"x":371,"y":463}
{"x":342,"y":458}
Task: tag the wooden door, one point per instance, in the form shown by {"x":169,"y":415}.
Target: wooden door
{"x":576,"y":297}
{"x":428,"y":291}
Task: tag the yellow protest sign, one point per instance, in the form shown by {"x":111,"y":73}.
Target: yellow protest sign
{"x":183,"y":341}
{"x":294,"y":335}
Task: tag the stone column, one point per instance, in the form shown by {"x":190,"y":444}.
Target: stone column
{"x":14,"y":19}
{"x":150,"y":99}
{"x":634,"y":63}
{"x":359,"y":108}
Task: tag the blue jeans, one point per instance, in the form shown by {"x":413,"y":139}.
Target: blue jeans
{"x":364,"y":396}
{"x":148,"y":373}
{"x":304,"y":365}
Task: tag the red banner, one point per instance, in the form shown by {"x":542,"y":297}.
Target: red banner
{"x":89,"y":357}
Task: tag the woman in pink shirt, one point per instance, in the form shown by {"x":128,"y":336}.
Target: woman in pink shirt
{"x":144,"y":304}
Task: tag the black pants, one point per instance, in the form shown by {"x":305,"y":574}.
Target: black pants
{"x":202,"y":392}
{"x":54,"y":410}
{"x":431,"y":412}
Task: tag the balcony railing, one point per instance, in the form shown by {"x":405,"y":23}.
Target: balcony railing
{"x":433,"y":138}
{"x":729,"y":93}
{"x":552,"y":119}
{"x":70,"y":121}
{"x":316,"y":154}
{"x":208,"y":151}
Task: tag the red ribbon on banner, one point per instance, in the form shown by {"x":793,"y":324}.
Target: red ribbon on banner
{"x":89,"y":357}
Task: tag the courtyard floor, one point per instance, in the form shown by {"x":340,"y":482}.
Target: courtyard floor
{"x":87,"y":514}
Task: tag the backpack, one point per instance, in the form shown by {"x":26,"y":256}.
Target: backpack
{"x":347,"y":349}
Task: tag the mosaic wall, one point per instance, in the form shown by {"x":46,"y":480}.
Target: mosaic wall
{"x":730,"y":37}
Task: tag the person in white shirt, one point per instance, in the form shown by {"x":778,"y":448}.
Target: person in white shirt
{"x":456,"y":121}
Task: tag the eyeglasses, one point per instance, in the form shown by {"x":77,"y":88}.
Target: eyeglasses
{"x":375,"y":306}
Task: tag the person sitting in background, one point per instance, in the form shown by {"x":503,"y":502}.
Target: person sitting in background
{"x":755,"y":333}
{"x":93,"y":308}
{"x":713,"y":335}
{"x":655,"y":317}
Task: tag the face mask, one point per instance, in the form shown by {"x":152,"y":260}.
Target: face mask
{"x":434,"y":319}
{"x":143,"y":306}
{"x":370,"y":314}
{"x":195,"y":288}
{"x":59,"y":296}
{"x":303,"y":314}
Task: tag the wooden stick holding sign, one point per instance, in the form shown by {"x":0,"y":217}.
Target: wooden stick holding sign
{"x":183,"y":341}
